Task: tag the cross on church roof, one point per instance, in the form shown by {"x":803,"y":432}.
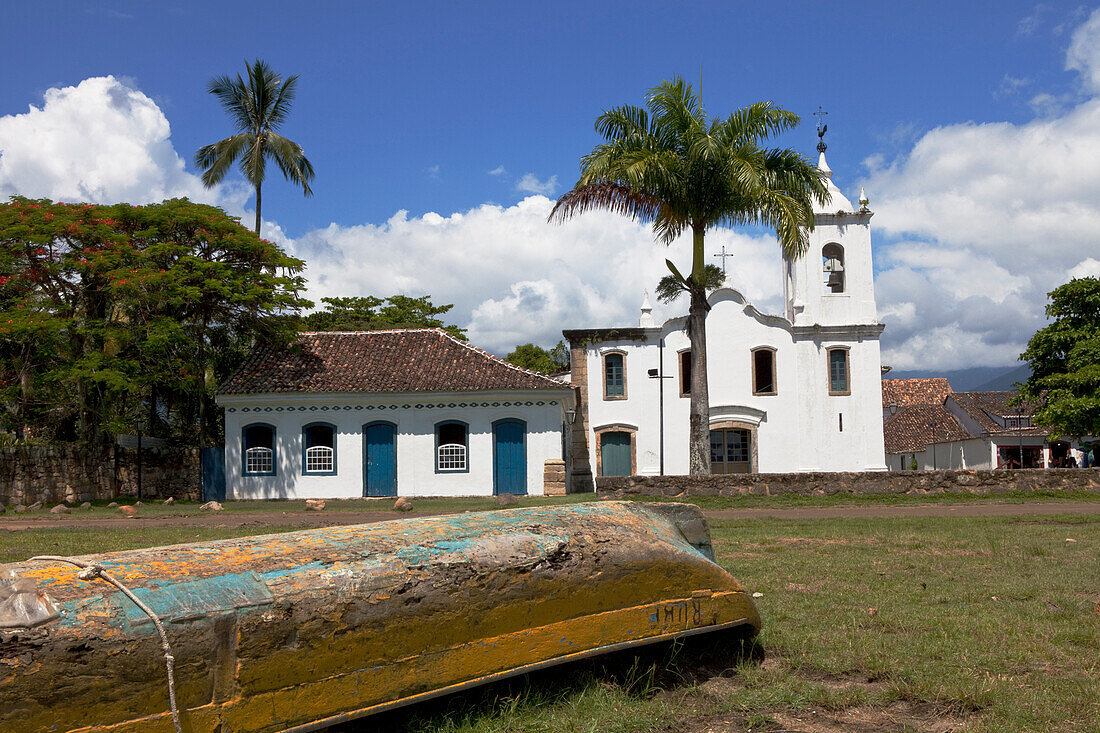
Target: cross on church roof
{"x":821,"y":129}
{"x":723,"y":255}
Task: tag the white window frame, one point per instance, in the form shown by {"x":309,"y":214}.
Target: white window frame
{"x":319,"y":459}
{"x":259,"y":461}
{"x":451,"y":457}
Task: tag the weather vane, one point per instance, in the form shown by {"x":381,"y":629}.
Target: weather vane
{"x":723,"y":255}
{"x":821,"y":129}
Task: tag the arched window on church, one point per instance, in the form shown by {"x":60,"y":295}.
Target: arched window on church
{"x":832,"y":262}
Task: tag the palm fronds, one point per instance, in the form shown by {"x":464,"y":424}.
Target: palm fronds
{"x":257,"y":106}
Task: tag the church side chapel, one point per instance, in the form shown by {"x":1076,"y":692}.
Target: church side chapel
{"x":794,"y":392}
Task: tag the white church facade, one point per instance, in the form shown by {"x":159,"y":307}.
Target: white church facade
{"x":795,"y":392}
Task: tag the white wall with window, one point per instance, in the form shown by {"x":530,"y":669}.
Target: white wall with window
{"x":312,"y":446}
{"x":811,"y":396}
{"x":802,"y":390}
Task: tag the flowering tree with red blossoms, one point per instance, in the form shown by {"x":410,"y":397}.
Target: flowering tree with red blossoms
{"x":121,"y":318}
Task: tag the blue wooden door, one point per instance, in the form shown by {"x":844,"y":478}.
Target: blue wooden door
{"x":615,"y":454}
{"x":213,"y":474}
{"x":380,"y":459}
{"x":509,"y":457}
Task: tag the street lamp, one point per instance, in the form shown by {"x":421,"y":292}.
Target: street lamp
{"x":659,"y":375}
{"x":932,"y":426}
{"x":1020,"y":432}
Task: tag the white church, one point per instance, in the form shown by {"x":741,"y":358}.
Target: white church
{"x":418,"y":412}
{"x":794,"y":392}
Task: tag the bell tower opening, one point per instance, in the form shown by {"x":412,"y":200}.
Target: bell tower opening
{"x":832,"y":264}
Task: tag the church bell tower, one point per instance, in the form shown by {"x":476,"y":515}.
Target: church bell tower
{"x":833,"y":283}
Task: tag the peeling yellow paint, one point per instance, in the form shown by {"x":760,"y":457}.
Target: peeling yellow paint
{"x":341,"y":622}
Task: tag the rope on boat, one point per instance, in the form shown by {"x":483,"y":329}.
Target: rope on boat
{"x":90,"y":571}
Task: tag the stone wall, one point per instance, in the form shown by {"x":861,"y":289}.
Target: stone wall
{"x":580,"y":465}
{"x":871,"y":482}
{"x":553,"y":477}
{"x":52,"y":474}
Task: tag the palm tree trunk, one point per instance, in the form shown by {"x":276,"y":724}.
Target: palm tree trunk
{"x":257,"y":211}
{"x":699,"y":410}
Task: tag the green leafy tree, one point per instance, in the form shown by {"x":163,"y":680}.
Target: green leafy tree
{"x":538,"y":359}
{"x":258,"y":107}
{"x":119,"y":318}
{"x":1065,"y":362}
{"x":375,"y":314}
{"x":671,"y":165}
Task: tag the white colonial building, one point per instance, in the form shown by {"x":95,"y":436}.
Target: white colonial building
{"x":794,"y":392}
{"x":390,"y":413}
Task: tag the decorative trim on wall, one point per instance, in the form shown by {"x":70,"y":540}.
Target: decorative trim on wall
{"x":412,"y":406}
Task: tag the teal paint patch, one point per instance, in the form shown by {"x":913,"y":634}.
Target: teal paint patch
{"x":297,"y":570}
{"x":195,"y":598}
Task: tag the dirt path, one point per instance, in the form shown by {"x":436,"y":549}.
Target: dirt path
{"x":101,"y":519}
{"x":923,"y":510}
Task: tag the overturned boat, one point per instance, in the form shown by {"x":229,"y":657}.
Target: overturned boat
{"x":299,"y":631}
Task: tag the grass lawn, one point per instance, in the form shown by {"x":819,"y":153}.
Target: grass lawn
{"x":977,"y":624}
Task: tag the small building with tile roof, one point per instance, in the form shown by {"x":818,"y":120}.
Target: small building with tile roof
{"x":905,"y":392}
{"x":928,"y":424}
{"x":918,"y":429}
{"x":411,"y":412}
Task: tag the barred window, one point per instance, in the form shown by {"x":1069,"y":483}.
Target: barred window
{"x":319,"y":442}
{"x":452,"y":440}
{"x":259,"y":449}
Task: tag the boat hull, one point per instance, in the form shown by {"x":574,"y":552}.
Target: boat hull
{"x":305,"y":629}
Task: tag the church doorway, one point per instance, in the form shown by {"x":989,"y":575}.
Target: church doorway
{"x":730,"y":451}
{"x":615,"y":453}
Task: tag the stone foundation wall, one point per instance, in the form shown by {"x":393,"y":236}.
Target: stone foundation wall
{"x":871,"y":482}
{"x":52,"y":474}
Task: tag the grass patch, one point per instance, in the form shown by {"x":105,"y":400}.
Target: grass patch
{"x":994,"y":618}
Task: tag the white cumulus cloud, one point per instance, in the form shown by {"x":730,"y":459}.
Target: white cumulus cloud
{"x":531,"y":184}
{"x":101,"y":141}
{"x":98,"y":141}
{"x":981,"y":220}
{"x":513,"y":277}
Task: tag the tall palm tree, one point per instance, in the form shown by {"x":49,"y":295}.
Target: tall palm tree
{"x":258,"y":107}
{"x":671,"y":165}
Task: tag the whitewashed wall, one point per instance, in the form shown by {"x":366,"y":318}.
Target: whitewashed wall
{"x":415,"y":416}
{"x":960,"y":454}
{"x":798,"y":428}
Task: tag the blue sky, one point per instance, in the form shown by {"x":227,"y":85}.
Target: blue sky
{"x":443,"y":110}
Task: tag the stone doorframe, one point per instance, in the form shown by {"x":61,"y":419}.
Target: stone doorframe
{"x":617,"y":428}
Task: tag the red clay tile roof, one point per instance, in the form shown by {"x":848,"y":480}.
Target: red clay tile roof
{"x":413,"y":360}
{"x":914,"y":391}
{"x":982,"y":406}
{"x":915,"y":426}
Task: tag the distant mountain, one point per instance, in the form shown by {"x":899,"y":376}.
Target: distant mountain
{"x":974,"y":379}
{"x":1006,"y":380}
